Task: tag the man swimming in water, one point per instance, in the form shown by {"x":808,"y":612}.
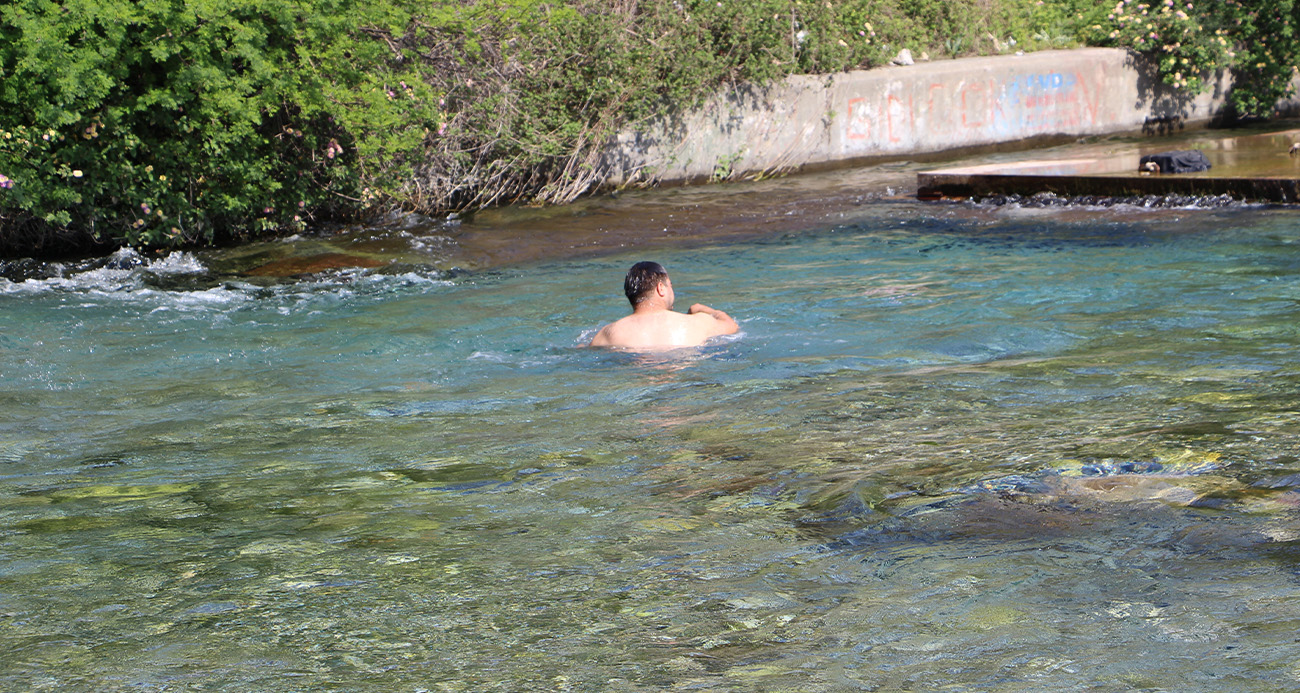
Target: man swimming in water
{"x":653,"y":324}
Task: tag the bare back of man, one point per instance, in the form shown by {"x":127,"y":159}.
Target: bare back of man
{"x":666,"y":329}
{"x":653,"y":324}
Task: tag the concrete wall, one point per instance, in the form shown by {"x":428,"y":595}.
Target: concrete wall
{"x":819,"y":121}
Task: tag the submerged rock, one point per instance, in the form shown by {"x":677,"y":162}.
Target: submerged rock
{"x":312,"y":264}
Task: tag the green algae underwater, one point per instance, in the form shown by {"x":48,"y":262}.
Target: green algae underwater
{"x":955,"y":447}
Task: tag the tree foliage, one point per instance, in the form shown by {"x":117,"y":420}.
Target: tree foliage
{"x":1191,"y":41}
{"x":168,"y":122}
{"x":182,"y":120}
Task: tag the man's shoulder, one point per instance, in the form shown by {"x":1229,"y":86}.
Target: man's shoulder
{"x":627,"y":322}
{"x":613,"y":334}
{"x":602,"y":337}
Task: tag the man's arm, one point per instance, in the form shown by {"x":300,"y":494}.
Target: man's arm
{"x":722,"y":323}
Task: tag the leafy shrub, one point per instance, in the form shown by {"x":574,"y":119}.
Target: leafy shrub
{"x":176,"y":121}
{"x":167,"y":122}
{"x":1191,"y":41}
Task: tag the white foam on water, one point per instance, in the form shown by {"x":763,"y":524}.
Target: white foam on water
{"x":192,"y":301}
{"x":177,"y":263}
{"x":128,"y":277}
{"x":124,"y":270}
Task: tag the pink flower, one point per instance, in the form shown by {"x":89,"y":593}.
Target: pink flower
{"x":5,"y":182}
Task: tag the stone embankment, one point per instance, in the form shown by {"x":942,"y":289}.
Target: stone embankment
{"x":809,"y":122}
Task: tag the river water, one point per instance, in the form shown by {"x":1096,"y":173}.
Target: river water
{"x":955,"y":447}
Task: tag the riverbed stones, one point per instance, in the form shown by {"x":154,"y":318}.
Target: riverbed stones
{"x":283,"y":547}
{"x":313,"y":264}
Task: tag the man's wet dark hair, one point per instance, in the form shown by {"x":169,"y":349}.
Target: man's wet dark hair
{"x":642,"y":279}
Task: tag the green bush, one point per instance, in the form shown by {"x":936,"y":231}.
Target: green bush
{"x":169,"y":122}
{"x":1192,"y":41}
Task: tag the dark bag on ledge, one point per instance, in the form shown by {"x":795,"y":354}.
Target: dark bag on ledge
{"x":1185,"y":161}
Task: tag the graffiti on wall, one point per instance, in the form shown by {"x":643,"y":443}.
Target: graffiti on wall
{"x":904,"y":115}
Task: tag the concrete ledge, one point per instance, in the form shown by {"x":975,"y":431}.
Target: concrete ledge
{"x":855,"y":117}
{"x":941,"y":185}
{"x":1253,"y":166}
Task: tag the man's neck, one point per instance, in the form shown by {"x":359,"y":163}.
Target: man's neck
{"x":650,"y":308}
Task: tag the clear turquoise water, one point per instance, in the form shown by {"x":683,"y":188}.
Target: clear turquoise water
{"x":952,"y":449}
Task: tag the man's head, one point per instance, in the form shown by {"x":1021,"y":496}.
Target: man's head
{"x":643,"y":280}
